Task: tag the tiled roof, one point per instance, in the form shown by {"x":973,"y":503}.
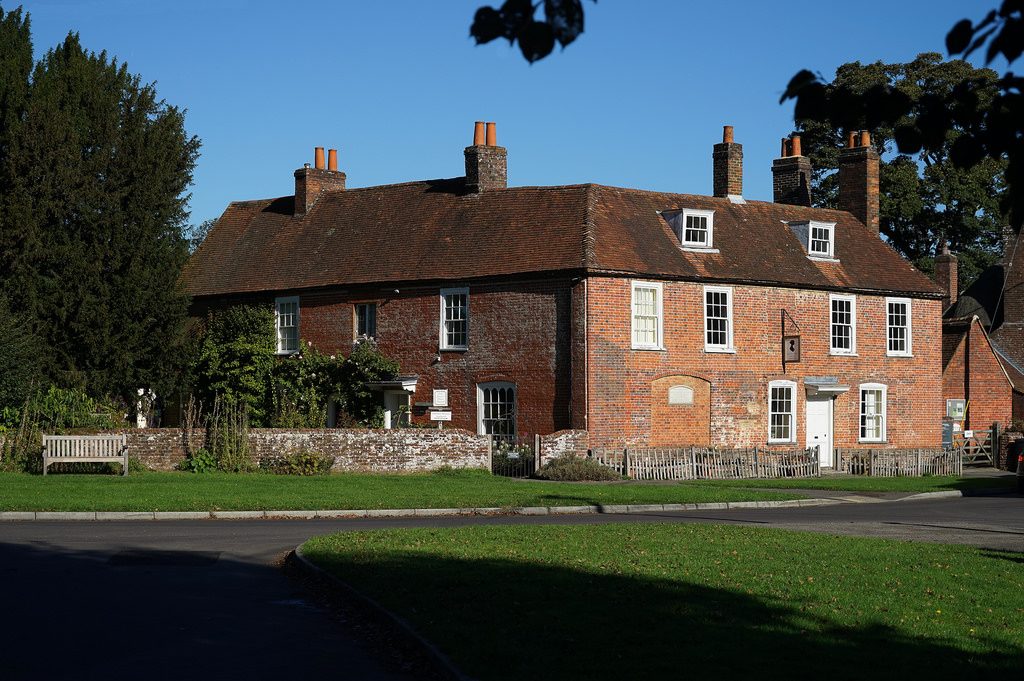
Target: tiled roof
{"x":1008,"y":341}
{"x":981,"y":298}
{"x":436,"y":230}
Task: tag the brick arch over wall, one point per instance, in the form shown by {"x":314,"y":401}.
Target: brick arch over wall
{"x":674,"y":425}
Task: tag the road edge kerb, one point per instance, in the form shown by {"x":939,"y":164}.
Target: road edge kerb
{"x":986,"y":492}
{"x":410,"y":512}
{"x":444,"y":663}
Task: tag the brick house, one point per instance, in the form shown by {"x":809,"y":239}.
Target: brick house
{"x":645,"y":318}
{"x":983,"y":340}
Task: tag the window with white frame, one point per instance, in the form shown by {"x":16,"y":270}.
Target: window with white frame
{"x":782,"y":411}
{"x":821,"y":239}
{"x":872,"y":412}
{"x":366,"y":320}
{"x":496,"y":410}
{"x":897,"y":324}
{"x":843,"y":329}
{"x":286,"y":319}
{"x":454,"y":318}
{"x":647,"y":321}
{"x":718,"y":319}
{"x":696,"y":228}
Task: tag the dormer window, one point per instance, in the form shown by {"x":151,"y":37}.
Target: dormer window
{"x":818,"y":238}
{"x":694,"y":228}
{"x":821,"y":239}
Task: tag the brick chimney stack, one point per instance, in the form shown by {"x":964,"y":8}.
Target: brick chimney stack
{"x":486,"y":162}
{"x":947,"y":276}
{"x":858,"y":179}
{"x":791,"y":174}
{"x":727,"y":158}
{"x":310,"y":183}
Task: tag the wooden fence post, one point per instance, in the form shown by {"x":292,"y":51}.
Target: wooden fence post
{"x":625,"y":462}
{"x":490,"y":453}
{"x":536,"y":452}
{"x":996,"y":435}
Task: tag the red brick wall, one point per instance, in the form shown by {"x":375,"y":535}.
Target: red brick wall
{"x":673,"y":425}
{"x":518,"y":332}
{"x":973,"y":373}
{"x":620,"y":379}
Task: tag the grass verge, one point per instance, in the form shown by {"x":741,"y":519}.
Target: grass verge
{"x":869,"y":484}
{"x":230,"y":491}
{"x":658,"y":601}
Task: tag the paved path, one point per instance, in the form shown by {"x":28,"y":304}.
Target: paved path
{"x":203,"y":599}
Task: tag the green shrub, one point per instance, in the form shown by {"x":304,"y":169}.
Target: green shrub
{"x":201,"y":461}
{"x":299,"y":462}
{"x":228,"y":436}
{"x":576,"y":469}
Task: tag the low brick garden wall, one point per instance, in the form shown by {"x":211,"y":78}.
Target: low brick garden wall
{"x":564,"y":443}
{"x":398,"y":450}
{"x":1003,"y":455}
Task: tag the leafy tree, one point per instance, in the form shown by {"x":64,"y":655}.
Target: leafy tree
{"x":516,"y":21}
{"x":236,"y":359}
{"x":95,"y":175}
{"x":926,"y":197}
{"x":983,"y":130}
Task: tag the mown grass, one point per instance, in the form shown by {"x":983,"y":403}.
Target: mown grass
{"x":871,"y":484}
{"x":260,"y":491}
{"x":660,"y":601}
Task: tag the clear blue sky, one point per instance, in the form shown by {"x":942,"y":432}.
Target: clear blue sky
{"x":637,"y":101}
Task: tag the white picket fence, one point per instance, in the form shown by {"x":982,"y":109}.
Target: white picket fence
{"x":702,"y":463}
{"x":892,"y":463}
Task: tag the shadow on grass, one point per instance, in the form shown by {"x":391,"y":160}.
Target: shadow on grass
{"x":503,"y":619}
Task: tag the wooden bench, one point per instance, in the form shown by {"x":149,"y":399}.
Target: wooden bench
{"x":85,"y":448}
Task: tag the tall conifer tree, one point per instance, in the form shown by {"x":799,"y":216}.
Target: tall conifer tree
{"x":98,"y":170}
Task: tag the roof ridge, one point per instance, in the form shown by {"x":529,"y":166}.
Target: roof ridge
{"x":588,"y":227}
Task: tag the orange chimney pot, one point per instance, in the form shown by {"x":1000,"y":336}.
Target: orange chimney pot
{"x":492,"y":135}
{"x":332,"y":159}
{"x":796,"y":151}
{"x":865,"y":138}
{"x":318,"y":157}
{"x":785,"y":147}
{"x":478,"y":134}
{"x":727,"y":134}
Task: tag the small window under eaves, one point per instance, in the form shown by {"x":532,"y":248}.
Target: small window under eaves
{"x":817,"y":238}
{"x":695,"y":229}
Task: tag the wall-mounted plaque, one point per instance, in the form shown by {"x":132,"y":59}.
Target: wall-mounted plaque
{"x":791,"y":348}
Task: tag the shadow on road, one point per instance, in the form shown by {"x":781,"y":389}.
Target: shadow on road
{"x":154,"y":614}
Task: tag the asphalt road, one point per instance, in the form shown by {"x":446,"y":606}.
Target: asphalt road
{"x":205,"y":599}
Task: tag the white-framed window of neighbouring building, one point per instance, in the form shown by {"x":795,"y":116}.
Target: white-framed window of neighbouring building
{"x":697,"y":229}
{"x":647,"y":322}
{"x":718,"y":326}
{"x":286,"y":319}
{"x":496,"y":410}
{"x":781,"y":411}
{"x":454,"y":318}
{"x":821,"y":239}
{"x":843,"y":326}
{"x":366,"y":320}
{"x":872,"y":412}
{"x":897,"y":324}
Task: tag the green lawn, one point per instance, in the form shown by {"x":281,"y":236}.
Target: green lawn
{"x":260,"y":491}
{"x":869,"y":484}
{"x":659,"y":601}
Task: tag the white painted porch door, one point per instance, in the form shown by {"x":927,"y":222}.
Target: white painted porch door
{"x":819,"y":428}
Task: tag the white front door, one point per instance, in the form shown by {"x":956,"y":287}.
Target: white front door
{"x":819,"y":428}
